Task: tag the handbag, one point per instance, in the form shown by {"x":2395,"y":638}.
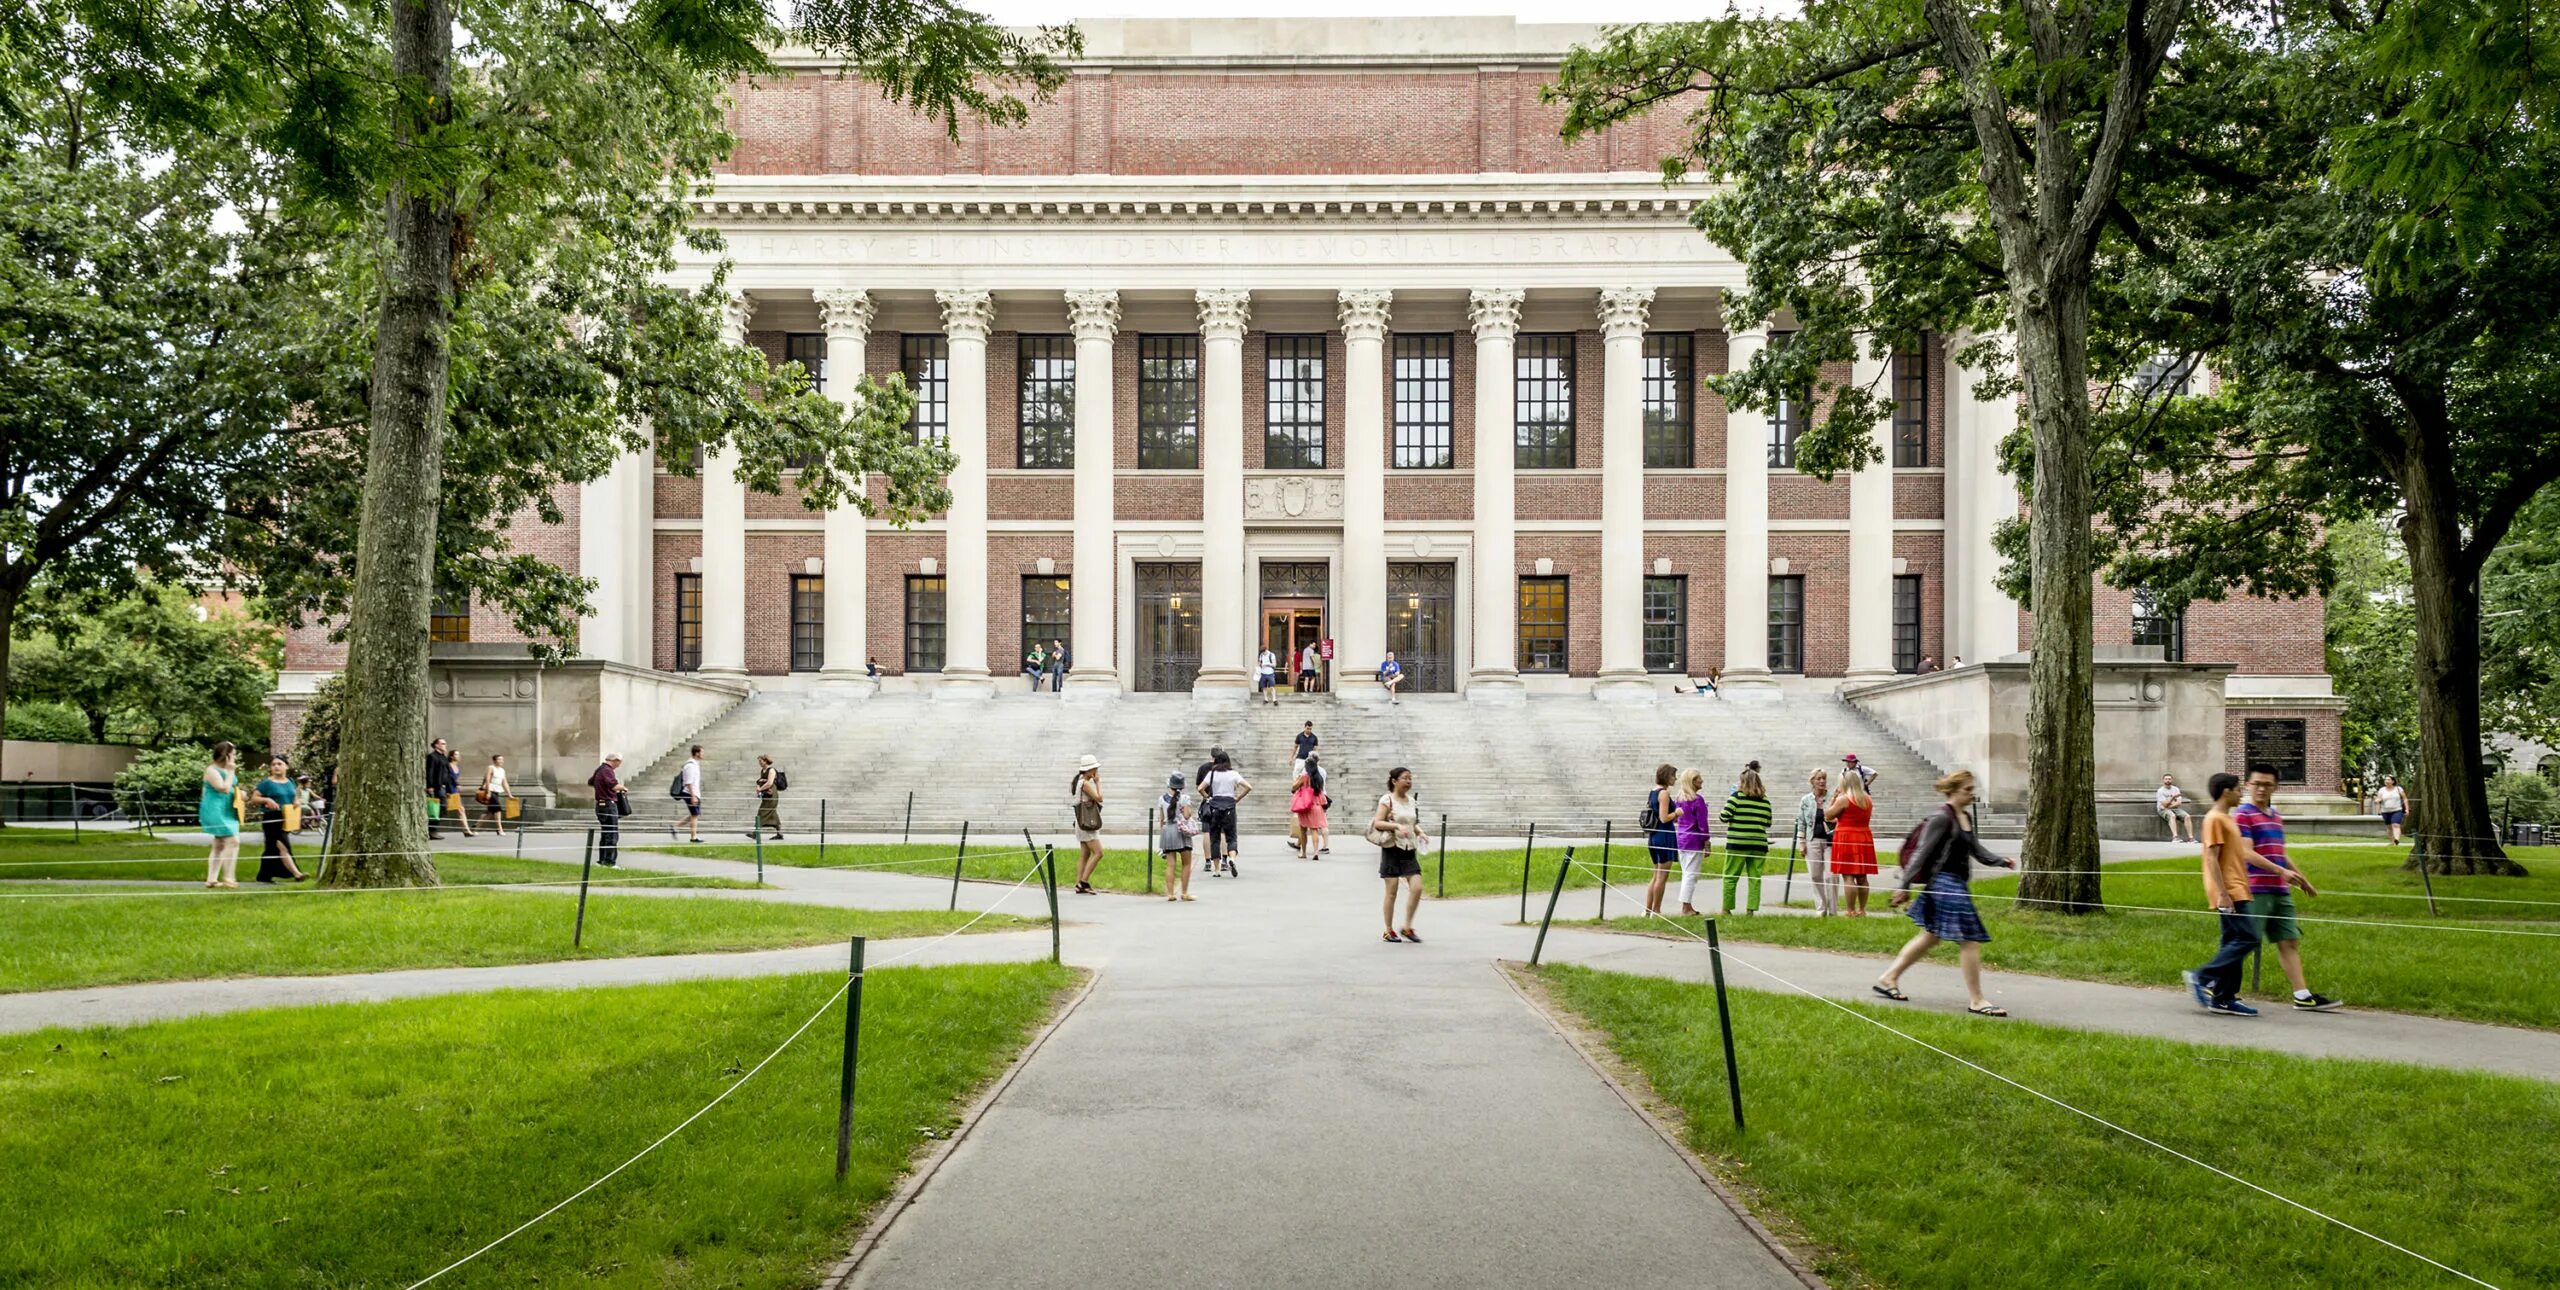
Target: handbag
{"x":515,"y":806}
{"x":621,"y":805}
{"x":453,"y":802}
{"x":1304,"y":799}
{"x":1188,"y":826}
{"x":481,"y":795}
{"x":1088,"y":814}
{"x":292,"y":817}
{"x":1384,"y":837}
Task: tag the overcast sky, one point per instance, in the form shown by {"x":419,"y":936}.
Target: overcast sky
{"x":1028,"y":12}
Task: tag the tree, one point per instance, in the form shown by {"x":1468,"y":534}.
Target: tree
{"x":2520,"y":626}
{"x":2371,"y":634}
{"x":145,"y":669}
{"x":1895,"y":168}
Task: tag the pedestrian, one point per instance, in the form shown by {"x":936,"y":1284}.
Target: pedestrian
{"x":1955,"y":661}
{"x":2216,"y":985}
{"x":1853,"y":840}
{"x":1306,"y":802}
{"x":1395,"y":828}
{"x":1927,"y":665}
{"x":492,"y":793}
{"x":1058,"y":662}
{"x":871,"y":667}
{"x":1813,"y":831}
{"x":1181,"y":825}
{"x":218,"y":814}
{"x":688,"y":790}
{"x":2171,"y":802}
{"x":1391,"y":675}
{"x":1943,"y":871}
{"x":1308,"y":661}
{"x":1746,"y":816}
{"x":1221,"y":787}
{"x":613,"y":801}
{"x":443,"y":786}
{"x":2272,"y":877}
{"x":1086,"y":795}
{"x":1266,"y":676}
{"x":1306,"y":742}
{"x":769,"y":785}
{"x":1034,"y":665}
{"x":1661,"y":834}
{"x":1705,"y":687}
{"x":1691,"y":833}
{"x":2394,"y":805}
{"x":276,"y":797}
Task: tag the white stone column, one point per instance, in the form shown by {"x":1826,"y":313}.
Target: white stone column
{"x":615,"y":514}
{"x":1095,"y":318}
{"x":1746,"y":536}
{"x":1223,"y":315}
{"x":1622,"y":565}
{"x":967,"y":318}
{"x":1871,"y":538}
{"x":1981,"y":620}
{"x":1361,"y":637}
{"x":724,"y":536}
{"x":846,"y":314}
{"x":1495,"y":675}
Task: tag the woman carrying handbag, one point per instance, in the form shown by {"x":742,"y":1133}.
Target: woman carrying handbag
{"x":492,"y":793}
{"x":1086,"y":793}
{"x":1396,"y":830}
{"x":1306,"y":805}
{"x":1174,"y":838}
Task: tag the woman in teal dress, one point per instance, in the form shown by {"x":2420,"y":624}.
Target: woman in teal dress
{"x":218,"y":814}
{"x":274,"y":795}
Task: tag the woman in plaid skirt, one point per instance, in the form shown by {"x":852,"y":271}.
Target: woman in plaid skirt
{"x":1941,"y":866}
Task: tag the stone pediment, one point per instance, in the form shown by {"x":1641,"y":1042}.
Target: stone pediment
{"x":1289,"y":497}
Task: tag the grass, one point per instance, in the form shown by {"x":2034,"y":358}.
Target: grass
{"x":1497,"y":872}
{"x":2426,"y":966}
{"x":997,"y":860}
{"x":373,"y":1144}
{"x":56,"y":854}
{"x":1910,"y":1170}
{"x":57,"y":943}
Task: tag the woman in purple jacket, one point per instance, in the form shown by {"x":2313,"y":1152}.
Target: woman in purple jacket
{"x":1690,"y":821}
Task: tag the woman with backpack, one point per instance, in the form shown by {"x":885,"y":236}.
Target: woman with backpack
{"x":1306,"y":804}
{"x":1221,"y":787}
{"x":1691,"y":833}
{"x":1661,"y":836}
{"x":1746,"y":817}
{"x":1086,"y":795}
{"x":1174,"y":838}
{"x":1939,"y":861}
{"x":1853,"y":839}
{"x":769,"y":786}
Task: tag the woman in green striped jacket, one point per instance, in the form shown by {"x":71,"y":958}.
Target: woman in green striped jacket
{"x":1746,"y":817}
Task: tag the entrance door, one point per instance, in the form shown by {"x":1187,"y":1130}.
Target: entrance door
{"x":1168,"y":654}
{"x":1293,"y":615}
{"x":1422,"y":616}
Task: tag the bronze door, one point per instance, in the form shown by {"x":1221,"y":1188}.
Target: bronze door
{"x":1422,"y":625}
{"x":1168,"y":654}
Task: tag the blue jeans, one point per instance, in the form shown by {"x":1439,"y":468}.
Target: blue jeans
{"x":2221,"y":973}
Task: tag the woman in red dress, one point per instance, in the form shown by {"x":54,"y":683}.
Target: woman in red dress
{"x":1853,"y":843}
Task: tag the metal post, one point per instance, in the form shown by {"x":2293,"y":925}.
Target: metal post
{"x":759,"y":837}
{"x":1525,"y":850}
{"x":959,"y":862}
{"x":907,"y":831}
{"x":1724,"y":1019}
{"x":1147,"y":843}
{"x":586,"y":865}
{"x":519,"y":840}
{"x":1607,"y":829}
{"x":822,"y":832}
{"x":2423,"y":877}
{"x":1552,"y":896}
{"x":1444,"y":854}
{"x":2256,"y":958}
{"x":852,"y":1047}
{"x":1049,"y":866}
{"x":1787,"y":894}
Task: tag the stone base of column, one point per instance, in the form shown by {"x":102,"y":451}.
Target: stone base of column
{"x":849,"y":684}
{"x":1222,"y":685}
{"x":1091,"y":685}
{"x":722,"y":673}
{"x":1753,"y":686}
{"x":1361,"y":691}
{"x":1859,"y":679}
{"x":1498,"y":686}
{"x":1631,"y":687}
{"x":970,"y":686}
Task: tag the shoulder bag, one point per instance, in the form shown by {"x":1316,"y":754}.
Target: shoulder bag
{"x":1088,"y":813}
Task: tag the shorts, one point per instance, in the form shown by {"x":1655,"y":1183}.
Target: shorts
{"x":2394,"y":817}
{"x":1661,"y":849}
{"x":693,"y":806}
{"x":1088,"y":835}
{"x":1399,"y":862}
{"x":2168,"y":813}
{"x":2272,"y":911}
{"x":1265,"y":680}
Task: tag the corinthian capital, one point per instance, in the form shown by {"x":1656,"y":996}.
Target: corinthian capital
{"x":1494,"y":312}
{"x":738,"y":311}
{"x":1364,"y":314}
{"x":1224,"y":312}
{"x":1622,"y":311}
{"x":967,"y":315}
{"x":1093,"y":315}
{"x":846,"y":312}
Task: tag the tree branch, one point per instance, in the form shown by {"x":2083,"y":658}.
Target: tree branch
{"x":2498,"y":512}
{"x":2148,"y":27}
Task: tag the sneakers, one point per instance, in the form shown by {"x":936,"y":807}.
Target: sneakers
{"x":2195,"y":986}
{"x":2318,"y":1003}
{"x":2235,"y":1008}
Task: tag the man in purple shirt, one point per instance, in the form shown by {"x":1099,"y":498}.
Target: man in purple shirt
{"x":2272,"y":876}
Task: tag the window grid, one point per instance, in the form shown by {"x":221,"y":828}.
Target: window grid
{"x":808,"y":622}
{"x":1045,"y":612}
{"x":2155,"y":625}
{"x":688,"y":622}
{"x":1425,"y":395}
{"x":1545,"y":615}
{"x":450,"y":621}
{"x":1045,"y":377}
{"x":1669,"y":369}
{"x":1906,"y":622}
{"x":926,"y":361}
{"x":1911,"y":405}
{"x":809,"y":350}
{"x":1542,"y":402}
{"x":1666,"y":625}
{"x":1293,"y":403}
{"x":1786,"y":623}
{"x":1168,"y":402}
{"x":1787,"y":421}
{"x":927,"y":630}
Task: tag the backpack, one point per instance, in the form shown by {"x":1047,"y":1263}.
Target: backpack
{"x":781,"y":781}
{"x":676,"y":789}
{"x":1915,"y":869}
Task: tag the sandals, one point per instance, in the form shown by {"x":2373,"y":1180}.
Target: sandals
{"x":1392,"y":939}
{"x":1890,"y":992}
{"x":1410,"y":936}
{"x":1989,"y":1010}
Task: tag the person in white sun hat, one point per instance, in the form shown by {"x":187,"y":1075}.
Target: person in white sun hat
{"x":1086,"y":795}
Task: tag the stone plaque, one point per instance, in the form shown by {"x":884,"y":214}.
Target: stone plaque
{"x":2281,"y":742}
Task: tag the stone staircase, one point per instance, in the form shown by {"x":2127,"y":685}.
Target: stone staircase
{"x":1564,"y":763}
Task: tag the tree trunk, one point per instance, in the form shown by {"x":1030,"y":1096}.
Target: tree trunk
{"x":380,"y":838}
{"x":2060,"y":854}
{"x":2452,"y":832}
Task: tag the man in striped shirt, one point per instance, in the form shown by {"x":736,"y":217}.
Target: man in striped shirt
{"x":2272,"y":876}
{"x":1746,"y":817}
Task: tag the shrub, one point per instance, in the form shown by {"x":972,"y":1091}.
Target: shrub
{"x":2523,"y":796}
{"x":315,"y":746}
{"x":163,"y":782}
{"x":49,"y":722}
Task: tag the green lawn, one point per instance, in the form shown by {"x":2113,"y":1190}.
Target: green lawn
{"x":1892,"y":1165}
{"x":126,"y":857}
{"x":55,"y":943}
{"x":2430,"y":965}
{"x":373,"y":1144}
{"x":997,"y":860}
{"x":1497,"y":872}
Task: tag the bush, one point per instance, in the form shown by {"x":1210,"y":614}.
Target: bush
{"x":164,"y":782}
{"x":48,"y":722}
{"x":315,"y":747}
{"x":2518,"y":795}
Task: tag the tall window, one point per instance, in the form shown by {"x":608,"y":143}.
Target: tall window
{"x":1168,"y":402}
{"x":2155,"y":624}
{"x":1543,"y":620}
{"x":1666,"y":625}
{"x":688,"y":622}
{"x":1045,"y":617}
{"x":1423,"y":398}
{"x":1046,"y":378}
{"x":1788,"y":420}
{"x":1542,"y":402}
{"x":1906,"y":622}
{"x":808,"y":622}
{"x":450,"y":620}
{"x":1668,"y":371}
{"x":809,"y":350}
{"x":1786,"y":623}
{"x":927,"y":630}
{"x":926,"y":360}
{"x":1911,"y":405}
{"x":1293,"y":403}
{"x":2164,"y":376}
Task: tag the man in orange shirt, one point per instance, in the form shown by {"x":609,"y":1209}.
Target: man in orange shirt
{"x":2216,"y":985}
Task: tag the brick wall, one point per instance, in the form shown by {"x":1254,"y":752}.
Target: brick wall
{"x":893,"y":556}
{"x":772,"y":560}
{"x":670,"y":554}
{"x":1925,"y":555}
{"x":1699,"y":557}
{"x":1822,"y":560}
{"x":1011,"y":557}
{"x":1577,"y":558}
{"x":1545,"y":495}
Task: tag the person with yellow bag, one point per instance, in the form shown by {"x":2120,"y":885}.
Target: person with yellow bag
{"x":279,"y":803}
